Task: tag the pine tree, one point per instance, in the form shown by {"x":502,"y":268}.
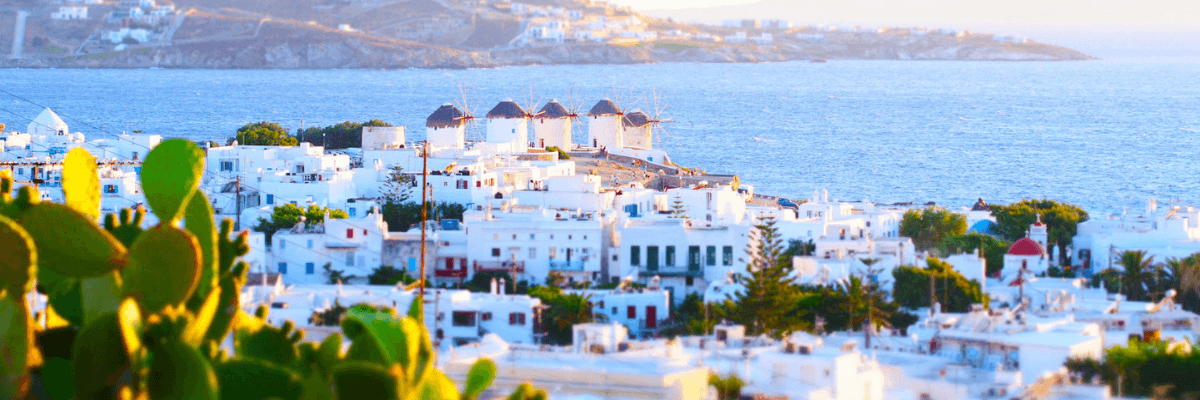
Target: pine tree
{"x":770,"y":303}
{"x":678,"y":210}
{"x":396,"y":188}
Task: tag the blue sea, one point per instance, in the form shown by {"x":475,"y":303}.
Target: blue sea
{"x":1106,"y":135}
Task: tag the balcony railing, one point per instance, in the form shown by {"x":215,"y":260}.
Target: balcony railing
{"x":450,"y":273}
{"x":500,"y":266}
{"x":556,"y":265}
{"x":673,"y":271}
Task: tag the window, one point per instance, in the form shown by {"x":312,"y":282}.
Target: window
{"x":631,"y":312}
{"x":635,"y":255}
{"x":710,"y":253}
{"x":282,"y":244}
{"x":364,"y":233}
{"x":614,"y":311}
{"x":652,"y":258}
{"x":463,"y":318}
{"x":349,"y":233}
{"x":495,"y":252}
{"x":352,"y":211}
{"x":516,"y":319}
{"x":691,"y":280}
{"x":310,"y":243}
{"x":514,"y":236}
{"x":693,"y":258}
{"x":226,"y":166}
{"x":270,"y":198}
{"x":309,"y":269}
{"x":670,"y":262}
{"x":532,"y":236}
{"x":532,"y":253}
{"x":553,"y":252}
{"x":449,"y":263}
{"x":727,"y":255}
{"x":487,"y":316}
{"x":350,"y":259}
{"x":283,"y":268}
{"x":110,"y":188}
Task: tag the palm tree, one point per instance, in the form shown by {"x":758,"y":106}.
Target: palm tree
{"x":1185,"y":278}
{"x":1137,"y":273}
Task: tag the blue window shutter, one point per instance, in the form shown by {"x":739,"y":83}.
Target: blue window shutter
{"x":412,"y":264}
{"x":309,"y":268}
{"x":270,"y":198}
{"x":283,"y":268}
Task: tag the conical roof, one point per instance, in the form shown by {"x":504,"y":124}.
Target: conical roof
{"x":604,"y":107}
{"x":446,"y":116}
{"x":507,"y":109}
{"x":46,"y":123}
{"x":637,"y":119}
{"x":553,"y":110}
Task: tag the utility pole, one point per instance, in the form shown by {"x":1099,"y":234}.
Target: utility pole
{"x":237,"y":184}
{"x":424,"y":188}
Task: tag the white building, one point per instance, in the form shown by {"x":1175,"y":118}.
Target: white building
{"x":641,"y":311}
{"x":532,"y":241}
{"x":274,"y":175}
{"x":508,"y":125}
{"x":1163,"y":233}
{"x":605,"y":125}
{"x":353,"y":246}
{"x":552,"y":126}
{"x":638,"y":131}
{"x":446,"y":127}
{"x":70,"y":13}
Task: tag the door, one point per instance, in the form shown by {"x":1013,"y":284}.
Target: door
{"x":652,"y":258}
{"x":651,"y":317}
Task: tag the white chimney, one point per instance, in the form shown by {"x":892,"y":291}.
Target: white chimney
{"x":502,"y":283}
{"x":493,"y":291}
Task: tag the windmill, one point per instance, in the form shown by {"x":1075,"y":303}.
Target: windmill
{"x":656,"y":120}
{"x":469,"y":104}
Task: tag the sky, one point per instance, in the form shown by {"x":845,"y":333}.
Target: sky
{"x":1105,"y":28}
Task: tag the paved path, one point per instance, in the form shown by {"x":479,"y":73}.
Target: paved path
{"x":19,"y":35}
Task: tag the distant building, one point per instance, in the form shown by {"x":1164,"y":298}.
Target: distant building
{"x":70,"y":13}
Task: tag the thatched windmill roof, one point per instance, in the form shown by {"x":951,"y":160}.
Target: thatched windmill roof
{"x":507,"y":109}
{"x":604,"y":107}
{"x":553,"y":110}
{"x":446,"y":116}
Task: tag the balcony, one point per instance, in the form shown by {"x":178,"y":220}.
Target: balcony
{"x":673,"y":271}
{"x":450,"y":273}
{"x":499,"y":266}
{"x":556,"y":265}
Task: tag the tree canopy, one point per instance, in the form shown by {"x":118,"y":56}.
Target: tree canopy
{"x":401,"y":216}
{"x":993,"y":249}
{"x":927,"y":227}
{"x":288,"y":215}
{"x":264,"y":134}
{"x":340,"y":136}
{"x":565,"y":311}
{"x":770,"y":303}
{"x":954,"y":291}
{"x":1061,"y":219}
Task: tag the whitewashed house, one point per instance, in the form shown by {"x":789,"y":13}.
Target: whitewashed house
{"x":641,"y":311}
{"x":532,"y":241}
{"x":353,"y":246}
{"x":70,"y":13}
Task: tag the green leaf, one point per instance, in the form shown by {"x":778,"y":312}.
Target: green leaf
{"x":129,"y":319}
{"x":56,"y":378}
{"x":178,"y":371}
{"x":479,"y":378}
{"x":164,"y":267}
{"x":64,"y":295}
{"x":262,"y":341}
{"x":378,"y":337}
{"x":364,"y":380}
{"x":199,"y":221}
{"x":15,"y":347}
{"x":257,"y":379}
{"x":55,"y":228}
{"x":99,"y":357}
{"x":230,"y":284}
{"x":170,"y":175}
{"x":329,"y":354}
{"x":439,"y":387}
{"x":18,"y":259}
{"x":99,"y":296}
{"x":81,"y":182}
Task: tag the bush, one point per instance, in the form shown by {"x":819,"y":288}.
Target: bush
{"x":340,"y":136}
{"x":911,"y":287}
{"x":562,"y":155}
{"x":144,"y":310}
{"x":389,"y":275}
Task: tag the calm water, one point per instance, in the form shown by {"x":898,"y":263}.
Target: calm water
{"x":1105,"y":134}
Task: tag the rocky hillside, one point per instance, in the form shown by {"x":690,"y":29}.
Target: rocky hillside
{"x":442,"y":34}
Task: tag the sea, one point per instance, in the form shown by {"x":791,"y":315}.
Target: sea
{"x":1105,"y":135}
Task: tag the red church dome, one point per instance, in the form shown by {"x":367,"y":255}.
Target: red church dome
{"x":1026,"y":247}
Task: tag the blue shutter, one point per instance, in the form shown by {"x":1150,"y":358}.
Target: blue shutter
{"x":309,"y":268}
{"x":412,"y":264}
{"x":283,"y":268}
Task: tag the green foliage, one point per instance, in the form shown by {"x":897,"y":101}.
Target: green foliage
{"x":1110,"y":277}
{"x":728,"y":388}
{"x":140,"y":313}
{"x":1061,"y":219}
{"x":797,"y":247}
{"x":288,"y":215}
{"x":1137,"y":271}
{"x":340,"y":136}
{"x":401,"y":216}
{"x":689,"y":318}
{"x":389,"y":275}
{"x":953,"y":291}
{"x":264,"y":134}
{"x":929,"y":226}
{"x":334,"y":276}
{"x":993,"y":249}
{"x":1144,"y":369}
{"x":565,"y":311}
{"x":562,"y":154}
{"x":771,"y":303}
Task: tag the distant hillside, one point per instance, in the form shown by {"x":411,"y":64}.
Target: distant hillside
{"x":438,"y":34}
